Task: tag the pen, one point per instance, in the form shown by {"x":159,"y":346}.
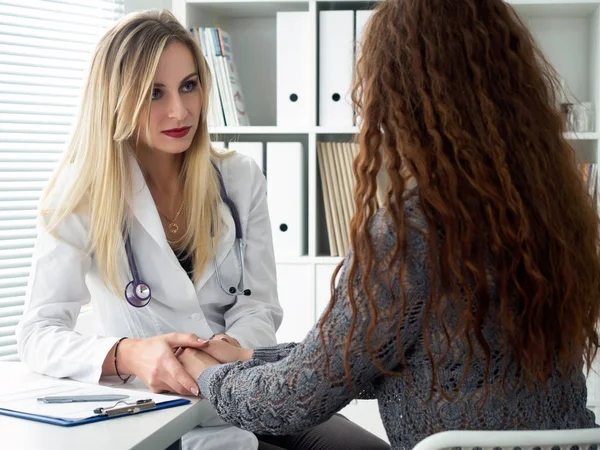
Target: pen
{"x":82,"y":398}
{"x":127,"y":408}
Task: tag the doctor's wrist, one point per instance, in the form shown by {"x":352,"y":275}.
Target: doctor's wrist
{"x":123,"y":356}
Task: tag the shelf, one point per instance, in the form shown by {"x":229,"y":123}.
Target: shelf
{"x":282,"y":130}
{"x":554,"y":8}
{"x":311,"y":260}
{"x":324,"y":260}
{"x":231,"y":9}
{"x":259,"y":130}
{"x":336,"y":130}
{"x":269,"y":8}
{"x":586,"y":136}
{"x":566,"y":31}
{"x":246,"y":2}
{"x":293,"y":260}
{"x":274,"y":131}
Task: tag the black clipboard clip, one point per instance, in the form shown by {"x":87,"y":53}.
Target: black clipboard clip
{"x":123,"y":408}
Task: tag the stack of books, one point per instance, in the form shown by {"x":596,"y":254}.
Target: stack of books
{"x":226,"y":103}
{"x":337,"y":183}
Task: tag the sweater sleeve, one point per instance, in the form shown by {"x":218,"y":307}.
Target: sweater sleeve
{"x":273,"y":353}
{"x":310,"y":384}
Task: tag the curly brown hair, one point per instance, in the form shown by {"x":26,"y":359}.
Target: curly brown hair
{"x":457,"y":93}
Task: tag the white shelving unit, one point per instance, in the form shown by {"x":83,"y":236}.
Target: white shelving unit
{"x":567,"y":30}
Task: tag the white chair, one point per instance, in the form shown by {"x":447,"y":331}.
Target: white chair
{"x":509,"y":440}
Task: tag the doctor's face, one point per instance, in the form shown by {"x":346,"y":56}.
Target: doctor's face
{"x":176,"y":102}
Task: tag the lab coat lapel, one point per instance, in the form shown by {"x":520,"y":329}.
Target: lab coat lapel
{"x":144,"y":209}
{"x":224,"y":246}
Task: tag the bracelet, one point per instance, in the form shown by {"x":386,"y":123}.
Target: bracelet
{"x":124,"y":380}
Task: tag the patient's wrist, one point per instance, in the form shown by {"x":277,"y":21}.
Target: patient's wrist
{"x":247,"y":354}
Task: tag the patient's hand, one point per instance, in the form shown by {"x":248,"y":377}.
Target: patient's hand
{"x":224,"y":352}
{"x":196,"y":361}
{"x":226,"y":338}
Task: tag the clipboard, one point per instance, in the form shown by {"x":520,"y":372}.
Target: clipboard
{"x":93,"y":418}
{"x":21,"y":402}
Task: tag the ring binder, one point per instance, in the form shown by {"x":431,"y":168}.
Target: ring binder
{"x":128,"y":408}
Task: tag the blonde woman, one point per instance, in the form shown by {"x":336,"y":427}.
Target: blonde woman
{"x":169,"y":240}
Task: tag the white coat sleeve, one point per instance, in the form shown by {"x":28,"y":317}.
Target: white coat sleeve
{"x":55,"y":293}
{"x":254,"y":319}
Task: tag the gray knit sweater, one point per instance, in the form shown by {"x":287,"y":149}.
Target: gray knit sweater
{"x":288,"y":387}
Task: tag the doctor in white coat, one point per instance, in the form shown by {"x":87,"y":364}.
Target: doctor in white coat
{"x":139,"y":164}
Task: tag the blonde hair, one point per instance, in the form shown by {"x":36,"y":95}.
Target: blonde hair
{"x":118,"y":87}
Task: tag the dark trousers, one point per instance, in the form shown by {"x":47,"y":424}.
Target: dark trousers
{"x":337,"y":433}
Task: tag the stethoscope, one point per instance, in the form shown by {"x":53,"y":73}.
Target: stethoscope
{"x":138,"y":292}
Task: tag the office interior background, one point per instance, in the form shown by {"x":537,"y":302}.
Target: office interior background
{"x":283,"y":70}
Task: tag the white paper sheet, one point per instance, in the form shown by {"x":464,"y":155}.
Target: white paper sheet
{"x":24,"y":399}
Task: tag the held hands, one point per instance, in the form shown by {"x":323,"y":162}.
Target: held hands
{"x":196,"y":361}
{"x":170,"y":363}
{"x":154,"y":362}
{"x":226,"y":349}
{"x":214,"y":351}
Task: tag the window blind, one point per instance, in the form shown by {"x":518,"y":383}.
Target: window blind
{"x":45,"y":49}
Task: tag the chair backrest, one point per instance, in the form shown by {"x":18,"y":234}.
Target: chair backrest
{"x":583,"y":439}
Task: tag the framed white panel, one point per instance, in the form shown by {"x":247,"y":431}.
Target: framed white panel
{"x":294,"y":285}
{"x":323,"y":273}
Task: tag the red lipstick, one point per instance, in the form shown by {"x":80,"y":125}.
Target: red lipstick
{"x":177,"y":132}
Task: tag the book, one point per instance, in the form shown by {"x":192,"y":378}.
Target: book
{"x":237,"y":98}
{"x":216,"y":117}
{"x":327,"y":200}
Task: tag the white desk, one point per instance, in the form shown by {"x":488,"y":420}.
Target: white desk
{"x":154,"y":430}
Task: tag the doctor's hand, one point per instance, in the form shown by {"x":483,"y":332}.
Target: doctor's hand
{"x":154,"y":362}
{"x":196,"y":361}
{"x":224,"y":352}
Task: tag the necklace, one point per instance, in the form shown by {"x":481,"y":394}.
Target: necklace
{"x":172,"y":226}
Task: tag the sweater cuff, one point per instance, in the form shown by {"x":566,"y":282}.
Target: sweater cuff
{"x":273,"y":353}
{"x":203,"y":380}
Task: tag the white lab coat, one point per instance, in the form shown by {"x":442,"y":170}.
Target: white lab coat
{"x":64,"y":277}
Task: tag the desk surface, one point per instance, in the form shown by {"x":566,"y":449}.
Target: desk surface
{"x":155,"y":430}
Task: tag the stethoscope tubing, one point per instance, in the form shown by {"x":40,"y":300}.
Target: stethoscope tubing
{"x":139,"y":301}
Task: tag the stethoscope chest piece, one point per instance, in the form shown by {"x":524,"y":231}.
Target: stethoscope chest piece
{"x":138,"y":293}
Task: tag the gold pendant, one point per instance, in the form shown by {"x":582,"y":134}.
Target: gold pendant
{"x":173,"y":227}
